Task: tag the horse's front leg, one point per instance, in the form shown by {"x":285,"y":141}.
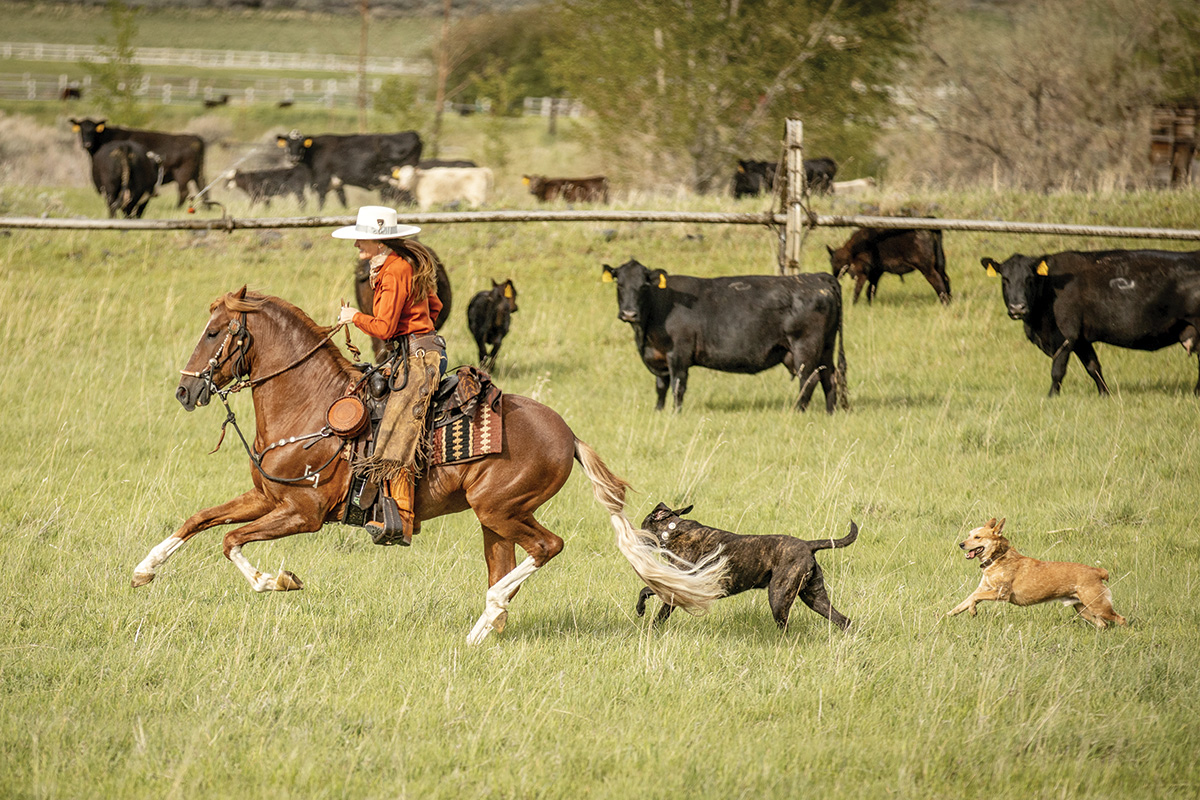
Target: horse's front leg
{"x":251,"y":505}
{"x":282,"y":520}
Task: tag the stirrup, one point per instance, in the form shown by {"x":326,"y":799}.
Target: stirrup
{"x":394,"y":528}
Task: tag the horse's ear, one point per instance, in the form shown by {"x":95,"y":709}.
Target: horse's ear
{"x":240,"y":294}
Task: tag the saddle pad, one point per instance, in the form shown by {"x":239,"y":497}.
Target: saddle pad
{"x":468,"y":438}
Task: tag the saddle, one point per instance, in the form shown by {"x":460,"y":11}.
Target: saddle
{"x":463,"y":424}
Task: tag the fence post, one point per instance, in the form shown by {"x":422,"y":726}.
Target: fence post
{"x":796,"y":225}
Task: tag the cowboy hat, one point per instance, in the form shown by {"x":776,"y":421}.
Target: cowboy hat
{"x":376,"y":222}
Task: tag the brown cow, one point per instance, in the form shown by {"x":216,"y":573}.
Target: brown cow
{"x":870,"y":252}
{"x":572,"y":190}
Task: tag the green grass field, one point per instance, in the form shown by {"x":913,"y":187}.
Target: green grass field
{"x":362,"y":685}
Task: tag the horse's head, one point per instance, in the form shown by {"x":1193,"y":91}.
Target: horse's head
{"x":223,"y":352}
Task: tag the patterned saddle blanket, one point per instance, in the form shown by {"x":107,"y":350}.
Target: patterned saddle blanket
{"x":466,"y":422}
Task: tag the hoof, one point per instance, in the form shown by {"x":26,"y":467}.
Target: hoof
{"x":141,"y":579}
{"x":287,"y":581}
{"x":498,"y":623}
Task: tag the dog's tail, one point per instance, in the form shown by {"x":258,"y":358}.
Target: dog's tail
{"x":830,"y":544}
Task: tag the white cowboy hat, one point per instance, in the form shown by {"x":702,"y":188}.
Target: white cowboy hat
{"x":376,"y":222}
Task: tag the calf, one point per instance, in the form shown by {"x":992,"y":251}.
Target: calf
{"x":1140,"y":299}
{"x":572,"y":190}
{"x":182,"y":154}
{"x":263,"y":184}
{"x":441,"y":185}
{"x":489,"y":315}
{"x":870,"y":252}
{"x":744,"y":324}
{"x":127,"y":175}
{"x":783,"y":565}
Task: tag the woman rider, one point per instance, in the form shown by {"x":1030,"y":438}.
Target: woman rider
{"x":404,"y":285}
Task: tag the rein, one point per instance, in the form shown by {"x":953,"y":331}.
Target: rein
{"x":241,"y":348}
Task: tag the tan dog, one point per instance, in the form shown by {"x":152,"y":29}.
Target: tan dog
{"x":1011,"y":577}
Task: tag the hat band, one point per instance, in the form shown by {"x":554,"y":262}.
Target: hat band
{"x":378,"y":230}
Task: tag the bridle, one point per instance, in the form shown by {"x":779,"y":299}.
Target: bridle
{"x":238,"y":334}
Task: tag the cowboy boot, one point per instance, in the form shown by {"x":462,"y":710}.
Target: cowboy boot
{"x":395,"y":507}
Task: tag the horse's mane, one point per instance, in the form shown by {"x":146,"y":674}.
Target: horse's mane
{"x":248,"y":302}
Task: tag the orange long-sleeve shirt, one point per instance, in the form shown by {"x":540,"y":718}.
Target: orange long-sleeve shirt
{"x":395,"y":312}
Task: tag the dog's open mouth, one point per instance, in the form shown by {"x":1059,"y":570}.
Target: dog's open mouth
{"x":975,"y":552}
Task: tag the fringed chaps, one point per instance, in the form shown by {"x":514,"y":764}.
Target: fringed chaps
{"x":401,"y":446}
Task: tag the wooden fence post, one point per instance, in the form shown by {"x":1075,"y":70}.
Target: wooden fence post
{"x":796,"y":222}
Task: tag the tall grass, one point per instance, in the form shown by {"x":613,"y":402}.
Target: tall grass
{"x":362,"y":686}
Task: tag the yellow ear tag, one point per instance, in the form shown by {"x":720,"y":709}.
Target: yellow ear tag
{"x":308,"y":142}
{"x":1043,"y":269}
{"x":606,"y":277}
{"x":662,"y":281}
{"x":508,"y":292}
{"x":75,"y":128}
{"x":99,"y":128}
{"x":281,"y":142}
{"x":991,"y":272}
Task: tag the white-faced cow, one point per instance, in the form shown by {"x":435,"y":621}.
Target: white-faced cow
{"x":1140,"y":299}
{"x":870,"y":252}
{"x":126,"y":175}
{"x":182,"y":154}
{"x":361,"y":160}
{"x":742,"y":324}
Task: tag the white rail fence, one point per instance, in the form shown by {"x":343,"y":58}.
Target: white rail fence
{"x":217,"y":59}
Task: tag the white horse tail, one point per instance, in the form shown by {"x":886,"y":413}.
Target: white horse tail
{"x":692,"y":587}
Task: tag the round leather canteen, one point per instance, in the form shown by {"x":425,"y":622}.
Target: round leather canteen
{"x":347,"y":417}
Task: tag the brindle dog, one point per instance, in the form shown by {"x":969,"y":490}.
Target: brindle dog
{"x":783,"y":565}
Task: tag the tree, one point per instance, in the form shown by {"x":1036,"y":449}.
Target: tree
{"x":1059,"y":97}
{"x":116,"y":76}
{"x":508,"y":48}
{"x":682,"y":88}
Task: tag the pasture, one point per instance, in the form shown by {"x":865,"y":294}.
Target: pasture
{"x":362,"y":686}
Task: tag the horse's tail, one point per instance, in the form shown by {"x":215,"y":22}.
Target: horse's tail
{"x":692,"y":587}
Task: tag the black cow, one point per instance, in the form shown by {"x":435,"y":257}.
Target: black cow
{"x":1140,"y":299}
{"x":489,"y":315}
{"x":182,"y":154}
{"x":758,"y":177}
{"x":263,"y":184}
{"x":365,"y":297}
{"x":361,"y":160}
{"x":870,"y":252}
{"x":744,"y":324}
{"x":126,"y":174}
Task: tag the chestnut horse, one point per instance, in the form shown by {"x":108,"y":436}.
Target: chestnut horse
{"x":301,"y":481}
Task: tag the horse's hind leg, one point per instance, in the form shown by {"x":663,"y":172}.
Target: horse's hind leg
{"x":251,"y":505}
{"x":540,"y":543}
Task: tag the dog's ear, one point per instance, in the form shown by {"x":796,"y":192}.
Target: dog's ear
{"x":661,"y":511}
{"x":991,"y":524}
{"x":679,"y":512}
{"x":997,"y":527}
